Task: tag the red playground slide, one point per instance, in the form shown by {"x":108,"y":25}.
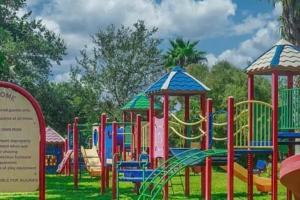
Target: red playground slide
{"x":290,"y":175}
{"x":63,"y":163}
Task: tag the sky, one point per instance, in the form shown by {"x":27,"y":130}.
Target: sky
{"x":234,"y":30}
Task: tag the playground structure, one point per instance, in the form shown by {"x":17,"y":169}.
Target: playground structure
{"x":54,"y":150}
{"x":251,"y":127}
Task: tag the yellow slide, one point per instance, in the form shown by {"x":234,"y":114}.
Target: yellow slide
{"x":262,"y":184}
{"x":92,"y":161}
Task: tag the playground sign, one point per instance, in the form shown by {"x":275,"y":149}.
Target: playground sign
{"x":22,"y":141}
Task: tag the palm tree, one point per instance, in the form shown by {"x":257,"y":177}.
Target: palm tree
{"x":290,"y":20}
{"x":183,"y":53}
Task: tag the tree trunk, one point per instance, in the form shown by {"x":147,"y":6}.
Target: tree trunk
{"x":291,"y":21}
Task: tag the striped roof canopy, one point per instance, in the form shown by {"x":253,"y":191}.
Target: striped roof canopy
{"x":52,"y":137}
{"x":140,"y":103}
{"x":177,"y":82}
{"x":283,"y":56}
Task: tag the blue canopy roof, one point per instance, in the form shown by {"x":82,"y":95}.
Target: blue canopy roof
{"x":177,"y":82}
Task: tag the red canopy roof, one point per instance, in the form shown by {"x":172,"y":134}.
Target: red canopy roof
{"x":52,"y":137}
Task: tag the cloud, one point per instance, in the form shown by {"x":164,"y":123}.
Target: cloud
{"x":76,"y":20}
{"x":251,"y":23}
{"x":266,"y":29}
{"x":178,"y":17}
{"x":250,"y":49}
{"x":64,"y":77}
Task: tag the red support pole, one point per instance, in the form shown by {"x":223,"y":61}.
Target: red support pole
{"x":186,"y":118}
{"x":147,"y":115}
{"x":166,"y":142}
{"x":138,"y":135}
{"x":132,"y":147}
{"x":75,"y":152}
{"x":208,"y":160}
{"x":290,"y":83}
{"x":124,"y":146}
{"x":151,"y":132}
{"x":102,"y":151}
{"x":230,"y":147}
{"x":66,"y":150}
{"x":107,"y":169}
{"x":68,"y":164}
{"x":203,"y":141}
{"x":250,"y":155}
{"x":63,"y":152}
{"x":274,"y":133}
{"x":115,"y":160}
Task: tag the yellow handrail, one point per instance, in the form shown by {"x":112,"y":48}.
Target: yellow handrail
{"x":187,"y":123}
{"x":185,"y":137}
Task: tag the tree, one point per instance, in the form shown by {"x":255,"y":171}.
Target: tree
{"x":27,"y":47}
{"x":122,"y":62}
{"x":290,"y":20}
{"x":27,"y":52}
{"x":183,"y":53}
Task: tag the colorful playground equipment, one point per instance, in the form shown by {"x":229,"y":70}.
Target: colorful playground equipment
{"x":252,"y":126}
{"x":91,"y":160}
{"x":54,"y":149}
{"x":141,"y":154}
{"x":262,"y":184}
{"x":290,"y":173}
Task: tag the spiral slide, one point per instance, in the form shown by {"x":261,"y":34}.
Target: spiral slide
{"x":290,"y":175}
{"x":262,"y":184}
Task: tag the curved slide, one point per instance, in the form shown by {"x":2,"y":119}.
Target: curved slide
{"x":262,"y":184}
{"x":290,"y":175}
{"x":92,"y":161}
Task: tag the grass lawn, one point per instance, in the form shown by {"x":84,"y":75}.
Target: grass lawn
{"x":61,"y":187}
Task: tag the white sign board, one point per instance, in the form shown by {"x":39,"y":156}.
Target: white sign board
{"x":19,"y":143}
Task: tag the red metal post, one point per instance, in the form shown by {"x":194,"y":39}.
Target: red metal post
{"x":186,"y":118}
{"x":147,"y":116}
{"x":203,"y":142}
{"x":102,"y":151}
{"x":107,"y":169}
{"x":42,"y":149}
{"x":75,"y":152}
{"x":250,"y":155}
{"x":151,"y":131}
{"x":230,"y":148}
{"x":115,"y":160}
{"x":138,"y":135}
{"x":68,"y":164}
{"x":124,"y":146}
{"x":166,"y":142}
{"x":208,"y":160}
{"x":290,"y":83}
{"x":66,"y":150}
{"x":132,"y":147}
{"x":274,"y":133}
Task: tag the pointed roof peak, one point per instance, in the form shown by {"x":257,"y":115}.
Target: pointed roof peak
{"x":178,"y":69}
{"x":283,"y":57}
{"x":283,"y":42}
{"x":177,"y":82}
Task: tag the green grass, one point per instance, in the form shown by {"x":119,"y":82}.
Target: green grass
{"x":61,"y":187}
